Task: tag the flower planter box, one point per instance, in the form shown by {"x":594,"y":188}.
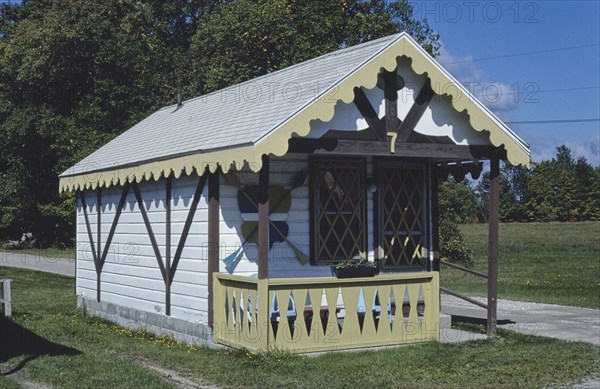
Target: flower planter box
{"x":354,"y":271}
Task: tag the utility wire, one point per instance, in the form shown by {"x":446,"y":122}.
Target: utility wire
{"x":554,"y":121}
{"x":566,"y":89}
{"x":533,"y":92}
{"x":523,"y":54}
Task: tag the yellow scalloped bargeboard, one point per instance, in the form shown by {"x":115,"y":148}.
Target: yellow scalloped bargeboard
{"x":322,"y":108}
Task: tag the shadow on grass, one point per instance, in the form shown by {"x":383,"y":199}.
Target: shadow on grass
{"x":17,"y":341}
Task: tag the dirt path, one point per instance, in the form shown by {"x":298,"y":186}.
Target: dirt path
{"x":174,"y":377}
{"x":20,"y":376}
{"x":593,"y":383}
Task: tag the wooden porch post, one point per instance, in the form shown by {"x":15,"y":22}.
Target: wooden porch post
{"x":263,"y":220}
{"x":213,"y":238}
{"x":435,"y":216}
{"x":493,"y":247}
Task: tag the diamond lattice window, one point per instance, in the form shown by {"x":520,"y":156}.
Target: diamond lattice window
{"x":338,"y":209}
{"x":402,"y":225}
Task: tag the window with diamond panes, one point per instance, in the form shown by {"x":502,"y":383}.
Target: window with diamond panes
{"x":338,"y":209}
{"x":401,"y":205}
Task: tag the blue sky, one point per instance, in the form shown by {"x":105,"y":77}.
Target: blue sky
{"x":556,"y":77}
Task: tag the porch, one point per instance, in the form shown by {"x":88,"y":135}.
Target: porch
{"x":325,"y":313}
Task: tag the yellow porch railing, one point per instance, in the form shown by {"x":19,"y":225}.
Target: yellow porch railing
{"x":325,"y":313}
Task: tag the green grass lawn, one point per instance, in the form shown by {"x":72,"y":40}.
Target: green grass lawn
{"x":555,"y":263}
{"x":62,"y":347}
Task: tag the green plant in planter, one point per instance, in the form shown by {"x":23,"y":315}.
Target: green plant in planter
{"x":349,"y":263}
{"x":354,"y":268}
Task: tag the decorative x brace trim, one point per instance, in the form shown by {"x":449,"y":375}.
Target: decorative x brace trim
{"x":168,"y":268}
{"x":100,"y":259}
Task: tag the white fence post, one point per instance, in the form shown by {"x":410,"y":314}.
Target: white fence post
{"x":6,"y":300}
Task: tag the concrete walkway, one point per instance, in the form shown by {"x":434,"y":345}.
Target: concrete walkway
{"x":554,"y":321}
{"x":63,"y":266}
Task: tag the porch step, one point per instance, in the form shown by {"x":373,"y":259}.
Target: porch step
{"x":452,"y":335}
{"x":445,"y":321}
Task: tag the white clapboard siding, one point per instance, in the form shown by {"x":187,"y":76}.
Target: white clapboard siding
{"x":85,"y":269}
{"x":230,"y":235}
{"x":131,"y":275}
{"x":283,"y":261}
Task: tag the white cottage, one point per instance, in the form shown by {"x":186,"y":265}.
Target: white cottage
{"x":205,"y":218}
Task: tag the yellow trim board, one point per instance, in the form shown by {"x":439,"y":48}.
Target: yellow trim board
{"x":322,"y":108}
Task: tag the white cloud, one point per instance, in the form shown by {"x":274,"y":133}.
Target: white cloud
{"x":459,"y":65}
{"x":589,"y":149}
{"x":543,"y":147}
{"x":497,"y":96}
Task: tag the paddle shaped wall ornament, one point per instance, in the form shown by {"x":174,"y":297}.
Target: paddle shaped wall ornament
{"x":278,"y":227}
{"x":280,"y":200}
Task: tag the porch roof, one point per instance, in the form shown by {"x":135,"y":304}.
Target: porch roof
{"x":241,"y":123}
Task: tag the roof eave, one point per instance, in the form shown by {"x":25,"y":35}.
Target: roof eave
{"x":275,"y":140}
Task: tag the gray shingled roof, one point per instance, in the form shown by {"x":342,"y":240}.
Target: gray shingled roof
{"x":232,"y":117}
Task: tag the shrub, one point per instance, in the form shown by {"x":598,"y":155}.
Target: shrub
{"x":453,"y":247}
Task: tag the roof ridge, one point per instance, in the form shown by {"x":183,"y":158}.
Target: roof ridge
{"x":303,"y":63}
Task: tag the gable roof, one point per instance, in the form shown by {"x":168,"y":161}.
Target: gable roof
{"x":239,"y":124}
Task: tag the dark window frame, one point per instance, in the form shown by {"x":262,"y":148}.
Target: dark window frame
{"x":378,"y":209}
{"x":315,"y":165}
